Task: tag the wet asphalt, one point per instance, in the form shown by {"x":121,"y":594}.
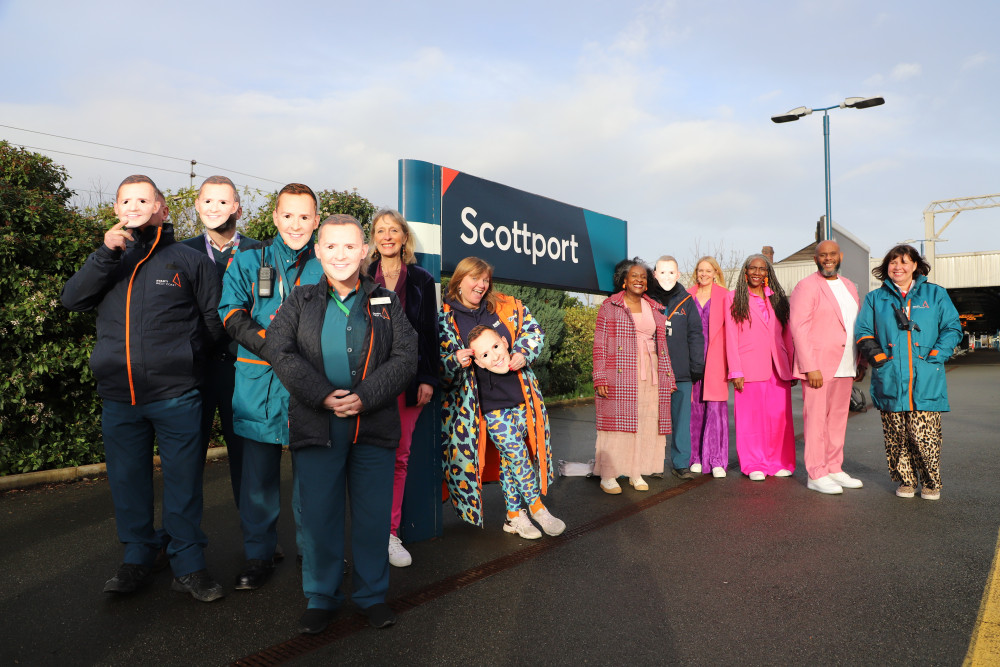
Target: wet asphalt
{"x":707,"y":572}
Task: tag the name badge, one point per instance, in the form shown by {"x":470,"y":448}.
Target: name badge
{"x":380,"y":301}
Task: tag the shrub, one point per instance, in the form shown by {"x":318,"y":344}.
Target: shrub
{"x":49,"y":412}
{"x":572,"y":368}
{"x":260,"y":225}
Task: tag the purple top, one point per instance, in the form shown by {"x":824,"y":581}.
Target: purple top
{"x":703,"y":312}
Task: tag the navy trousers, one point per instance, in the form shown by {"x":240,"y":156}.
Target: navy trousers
{"x":217,"y":393}
{"x":680,"y":417}
{"x":260,"y":499}
{"x":324,"y":475}
{"x":128,"y":447}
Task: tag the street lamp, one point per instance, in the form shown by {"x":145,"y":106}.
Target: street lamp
{"x":799,"y":112}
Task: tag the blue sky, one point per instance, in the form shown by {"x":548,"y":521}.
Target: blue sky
{"x":656,"y":112}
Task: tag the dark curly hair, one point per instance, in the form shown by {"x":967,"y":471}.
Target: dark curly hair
{"x":621,"y":272}
{"x":882,"y":270}
{"x":741,"y":295}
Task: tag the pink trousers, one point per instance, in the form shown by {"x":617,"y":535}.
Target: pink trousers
{"x":408,"y":416}
{"x":765,"y":440}
{"x":824,"y":414}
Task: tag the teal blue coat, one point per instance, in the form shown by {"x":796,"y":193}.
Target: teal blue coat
{"x":913,"y":378}
{"x":260,"y":402}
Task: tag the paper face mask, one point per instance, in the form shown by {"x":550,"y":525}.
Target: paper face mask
{"x":490,"y":351}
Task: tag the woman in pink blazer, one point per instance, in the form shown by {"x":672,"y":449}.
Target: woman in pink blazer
{"x":710,"y":395}
{"x":759,"y":352}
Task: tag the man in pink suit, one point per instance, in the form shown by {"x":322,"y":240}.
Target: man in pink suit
{"x":824,"y":307}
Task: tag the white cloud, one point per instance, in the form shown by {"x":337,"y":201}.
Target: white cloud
{"x":976,"y":61}
{"x":904,"y":71}
{"x":874,"y":81}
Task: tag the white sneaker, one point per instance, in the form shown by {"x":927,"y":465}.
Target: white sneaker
{"x":638,"y":483}
{"x":824,"y":485}
{"x":784,"y":472}
{"x":757,"y":476}
{"x":522,"y":525}
{"x":718,"y":471}
{"x":551,"y":525}
{"x":398,"y":555}
{"x":611,"y":486}
{"x":695,"y":467}
{"x":846,"y":480}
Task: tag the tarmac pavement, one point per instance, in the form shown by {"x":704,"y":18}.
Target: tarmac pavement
{"x":705,"y":572}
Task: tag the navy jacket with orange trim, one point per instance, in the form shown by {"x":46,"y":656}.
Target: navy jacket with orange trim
{"x":685,"y":338}
{"x":912,"y":377}
{"x":382,"y":349}
{"x":156,"y":316}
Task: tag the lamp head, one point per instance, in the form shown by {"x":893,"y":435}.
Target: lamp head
{"x":794,"y":114}
{"x":862,"y":102}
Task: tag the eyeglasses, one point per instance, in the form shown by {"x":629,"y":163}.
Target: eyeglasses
{"x":756,"y":269}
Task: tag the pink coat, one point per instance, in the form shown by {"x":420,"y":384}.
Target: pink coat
{"x":714,"y":387}
{"x":616,"y":367}
{"x":817,"y":326}
{"x":755,"y":347}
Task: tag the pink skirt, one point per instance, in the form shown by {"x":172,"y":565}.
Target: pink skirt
{"x":634,"y":454}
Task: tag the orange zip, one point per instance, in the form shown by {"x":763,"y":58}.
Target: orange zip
{"x":128,"y":315}
{"x":364,"y":371}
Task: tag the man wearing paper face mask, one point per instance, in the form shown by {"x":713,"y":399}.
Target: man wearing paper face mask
{"x":218,"y":207}
{"x":686,"y":346}
{"x":156,"y":320}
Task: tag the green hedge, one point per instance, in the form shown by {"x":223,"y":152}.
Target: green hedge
{"x":49,"y":413}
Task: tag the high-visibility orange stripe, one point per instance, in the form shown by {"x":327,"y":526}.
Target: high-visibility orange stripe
{"x":678,"y":306}
{"x":128,"y":314}
{"x":253,"y":361}
{"x":230,"y":313}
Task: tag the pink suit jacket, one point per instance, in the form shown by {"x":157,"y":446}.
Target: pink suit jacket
{"x":714,"y":386}
{"x":753,"y":346}
{"x":818,"y":326}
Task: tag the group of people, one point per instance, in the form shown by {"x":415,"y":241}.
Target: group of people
{"x":331,"y":345}
{"x":664,"y":358}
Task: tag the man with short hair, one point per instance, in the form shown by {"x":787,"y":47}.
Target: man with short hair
{"x":686,"y":346}
{"x":345,"y":349}
{"x":824,"y":306}
{"x":156,"y":320}
{"x":253,"y":289}
{"x":218,"y":207}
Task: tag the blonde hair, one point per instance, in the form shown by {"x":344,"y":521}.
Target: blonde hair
{"x":473,"y":266}
{"x":408,"y":251}
{"x":719,"y":279}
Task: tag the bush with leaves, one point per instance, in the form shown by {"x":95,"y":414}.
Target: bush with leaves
{"x":49,"y":412}
{"x":260,"y":224}
{"x":572,"y":368}
{"x":547,"y":307}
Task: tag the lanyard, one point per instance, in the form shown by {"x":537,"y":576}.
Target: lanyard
{"x":301,"y":263}
{"x":340,"y":304}
{"x":235,"y":243}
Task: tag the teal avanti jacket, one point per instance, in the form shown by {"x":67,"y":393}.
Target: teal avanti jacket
{"x":260,"y":402}
{"x":912,"y":375}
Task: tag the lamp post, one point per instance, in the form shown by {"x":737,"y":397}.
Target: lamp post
{"x":799,"y":112}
